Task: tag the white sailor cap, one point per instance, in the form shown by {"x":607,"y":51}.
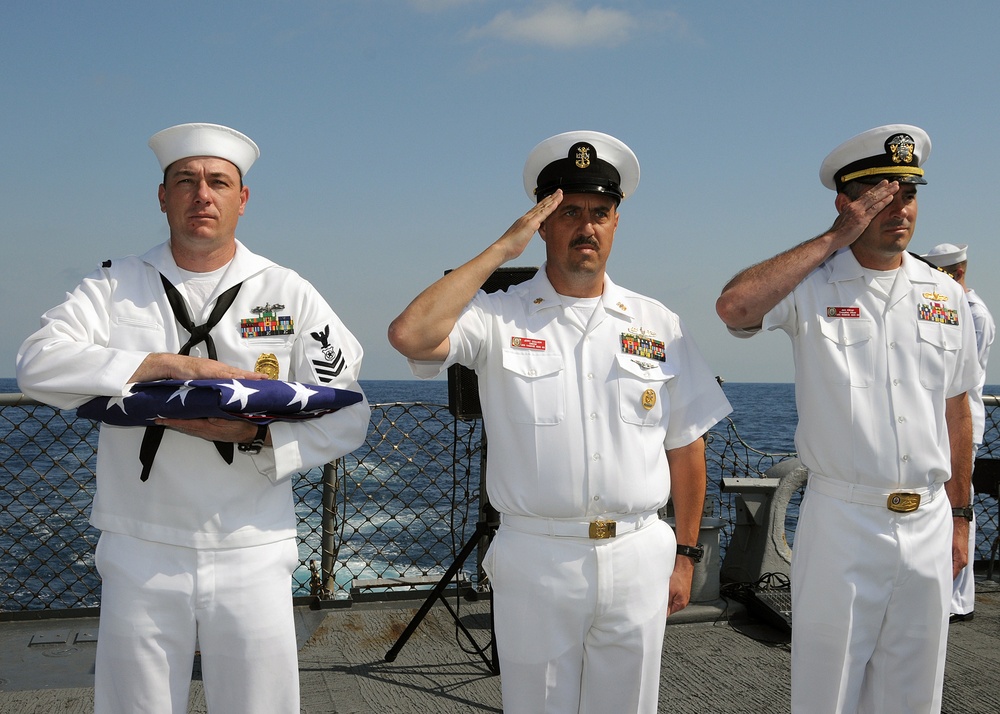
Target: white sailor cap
{"x":581,"y":162}
{"x":185,"y":140}
{"x":894,"y":152}
{"x":945,"y":254}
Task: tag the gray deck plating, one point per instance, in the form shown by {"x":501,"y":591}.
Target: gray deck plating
{"x":714,"y":660}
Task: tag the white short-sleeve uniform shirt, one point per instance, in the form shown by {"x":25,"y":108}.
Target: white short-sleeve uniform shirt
{"x":578,"y":415}
{"x":876,"y":356}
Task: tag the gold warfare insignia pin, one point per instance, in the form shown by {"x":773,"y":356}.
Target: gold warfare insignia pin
{"x":648,"y":399}
{"x":582,"y":156}
{"x":267,"y":364}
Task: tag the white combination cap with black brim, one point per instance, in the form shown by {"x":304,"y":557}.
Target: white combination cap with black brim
{"x":581,"y":162}
{"x":894,"y":152}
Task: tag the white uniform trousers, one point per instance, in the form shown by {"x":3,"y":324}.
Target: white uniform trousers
{"x":158,"y":601}
{"x":579,"y":622}
{"x":870,"y":592}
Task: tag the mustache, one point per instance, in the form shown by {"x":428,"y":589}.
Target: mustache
{"x":584,"y":240}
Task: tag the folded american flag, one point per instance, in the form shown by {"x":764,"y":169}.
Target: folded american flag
{"x":259,"y":401}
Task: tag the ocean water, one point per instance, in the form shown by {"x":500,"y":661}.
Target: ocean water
{"x":764,"y":413}
{"x":763,"y":419}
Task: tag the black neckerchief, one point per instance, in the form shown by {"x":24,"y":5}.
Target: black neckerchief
{"x":199,"y":333}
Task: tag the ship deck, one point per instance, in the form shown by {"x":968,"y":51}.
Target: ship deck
{"x":715,"y":659}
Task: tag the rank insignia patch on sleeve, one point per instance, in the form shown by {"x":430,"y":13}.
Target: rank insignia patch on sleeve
{"x":333,"y":361}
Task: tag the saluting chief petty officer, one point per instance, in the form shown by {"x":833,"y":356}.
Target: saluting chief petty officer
{"x":884,"y":353}
{"x":595,"y":400}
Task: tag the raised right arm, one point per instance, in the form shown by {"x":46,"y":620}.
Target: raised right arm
{"x":749,"y":296}
{"x":421,"y":330}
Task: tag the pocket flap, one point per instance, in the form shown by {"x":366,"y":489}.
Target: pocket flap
{"x":947,"y":337}
{"x":846,"y":331}
{"x":648,"y":370}
{"x":532,"y":365}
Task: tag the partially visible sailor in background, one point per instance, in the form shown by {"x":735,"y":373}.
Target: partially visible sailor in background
{"x":953,"y":259}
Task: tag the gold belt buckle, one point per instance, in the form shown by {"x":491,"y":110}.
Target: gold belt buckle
{"x":903,"y":502}
{"x":601,"y":530}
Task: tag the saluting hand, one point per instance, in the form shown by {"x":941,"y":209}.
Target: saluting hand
{"x":517,"y":237}
{"x":857,"y":214}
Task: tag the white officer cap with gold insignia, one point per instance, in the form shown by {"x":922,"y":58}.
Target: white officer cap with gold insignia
{"x":945,"y":254}
{"x":894,"y":152}
{"x":581,"y":162}
{"x":186,"y":140}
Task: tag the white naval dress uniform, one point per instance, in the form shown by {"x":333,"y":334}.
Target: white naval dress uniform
{"x":202,"y":548}
{"x":963,"y":597}
{"x":570,"y":440}
{"x":876,"y":356}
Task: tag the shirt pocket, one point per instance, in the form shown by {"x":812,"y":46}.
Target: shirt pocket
{"x":848,"y":348}
{"x":939,"y":349}
{"x":252,"y":350}
{"x":643,"y":398}
{"x":533,"y":388}
{"x":137,"y":332}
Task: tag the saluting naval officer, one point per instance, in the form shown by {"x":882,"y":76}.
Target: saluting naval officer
{"x":197,"y":538}
{"x":595,"y":401}
{"x":953,"y":259}
{"x":884,"y":352}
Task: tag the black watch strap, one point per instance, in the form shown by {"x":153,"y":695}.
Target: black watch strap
{"x":694,"y":552}
{"x":257,"y":443}
{"x":963,"y":512}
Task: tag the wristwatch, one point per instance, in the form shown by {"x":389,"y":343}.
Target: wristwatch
{"x":257,"y":443}
{"x":694,"y":552}
{"x":963,"y":512}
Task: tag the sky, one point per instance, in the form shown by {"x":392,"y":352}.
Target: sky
{"x":393,"y":134}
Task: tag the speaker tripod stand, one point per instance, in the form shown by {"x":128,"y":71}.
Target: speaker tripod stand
{"x":487,"y":523}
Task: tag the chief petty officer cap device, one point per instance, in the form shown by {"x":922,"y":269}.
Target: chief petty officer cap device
{"x":581,"y":162}
{"x":894,"y":152}
{"x":186,"y":140}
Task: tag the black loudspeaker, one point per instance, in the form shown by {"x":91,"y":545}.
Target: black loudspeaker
{"x":463,"y":384}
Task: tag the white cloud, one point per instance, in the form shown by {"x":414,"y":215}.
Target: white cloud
{"x":561,"y":25}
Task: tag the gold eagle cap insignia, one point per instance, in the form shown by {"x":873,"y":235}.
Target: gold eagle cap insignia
{"x":901,"y":147}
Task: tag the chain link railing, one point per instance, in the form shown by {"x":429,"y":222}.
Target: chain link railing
{"x":396,"y":511}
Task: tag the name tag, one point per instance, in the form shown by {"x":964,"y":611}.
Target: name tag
{"x":527,"y":343}
{"x":843,"y":312}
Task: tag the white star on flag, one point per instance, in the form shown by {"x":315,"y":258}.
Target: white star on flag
{"x":120,"y":401}
{"x":182,"y":392}
{"x":302,"y":394}
{"x":241,"y":393}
